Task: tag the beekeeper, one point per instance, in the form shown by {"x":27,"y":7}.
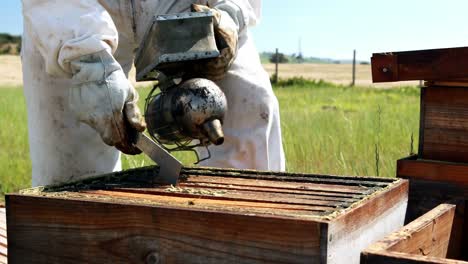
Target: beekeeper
{"x":76,"y":57}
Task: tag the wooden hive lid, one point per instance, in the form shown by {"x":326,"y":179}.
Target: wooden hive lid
{"x":448,"y":65}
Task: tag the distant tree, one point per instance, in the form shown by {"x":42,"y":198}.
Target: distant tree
{"x":7,"y":38}
{"x":9,"y":44}
{"x":280,"y":59}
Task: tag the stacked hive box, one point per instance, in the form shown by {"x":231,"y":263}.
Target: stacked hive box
{"x":3,"y":236}
{"x":431,"y":238}
{"x":212,"y":216}
{"x":439,"y":173}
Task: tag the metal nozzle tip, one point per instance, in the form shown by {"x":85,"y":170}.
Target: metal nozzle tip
{"x":214,"y":130}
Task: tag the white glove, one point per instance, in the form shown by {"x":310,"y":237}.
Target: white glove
{"x":102,"y":97}
{"x":226,"y":34}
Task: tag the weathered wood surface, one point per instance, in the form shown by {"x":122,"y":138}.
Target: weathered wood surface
{"x":144,"y":177}
{"x":436,"y":64}
{"x":429,"y":235}
{"x":425,"y":240}
{"x":246,"y":217}
{"x":425,"y":195}
{"x":444,"y":124}
{"x":53,"y":230}
{"x":432,"y":170}
{"x":435,"y":182}
{"x":404,"y":258}
{"x":3,"y":236}
{"x":447,"y":84}
{"x":350,"y":233}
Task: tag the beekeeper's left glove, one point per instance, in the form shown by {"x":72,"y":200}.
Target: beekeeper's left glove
{"x":102,"y":97}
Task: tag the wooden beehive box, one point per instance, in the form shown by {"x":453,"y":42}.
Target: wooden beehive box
{"x":3,"y":236}
{"x":431,"y":238}
{"x":432,"y":182}
{"x":439,"y":172}
{"x":444,"y":122}
{"x":213,"y":216}
{"x":443,"y":133}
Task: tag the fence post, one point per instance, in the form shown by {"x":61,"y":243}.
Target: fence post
{"x":276,"y":65}
{"x":354,"y":68}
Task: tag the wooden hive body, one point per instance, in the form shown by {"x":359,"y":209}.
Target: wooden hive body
{"x":3,"y":236}
{"x":444,"y":123}
{"x":443,"y":133}
{"x":431,"y":238}
{"x":439,"y":172}
{"x":213,"y":216}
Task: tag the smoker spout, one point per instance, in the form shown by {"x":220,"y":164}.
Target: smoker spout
{"x":214,"y":130}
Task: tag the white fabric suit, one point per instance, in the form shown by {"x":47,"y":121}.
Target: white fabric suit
{"x":55,"y":32}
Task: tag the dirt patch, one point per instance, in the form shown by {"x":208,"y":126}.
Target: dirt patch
{"x":334,"y":73}
{"x":11,"y":75}
{"x":9,"y":48}
{"x":10,"y":71}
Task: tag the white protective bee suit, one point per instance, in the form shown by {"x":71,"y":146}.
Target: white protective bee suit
{"x":57,"y":32}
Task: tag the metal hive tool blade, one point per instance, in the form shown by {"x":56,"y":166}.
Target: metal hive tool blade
{"x":169,"y":166}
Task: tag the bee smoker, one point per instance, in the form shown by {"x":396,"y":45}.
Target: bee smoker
{"x":188,"y":108}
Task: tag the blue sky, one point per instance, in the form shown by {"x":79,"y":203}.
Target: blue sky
{"x":333,"y":28}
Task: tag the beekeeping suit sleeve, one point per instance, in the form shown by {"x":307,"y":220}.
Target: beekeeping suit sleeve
{"x":66,"y":30}
{"x":76,"y":39}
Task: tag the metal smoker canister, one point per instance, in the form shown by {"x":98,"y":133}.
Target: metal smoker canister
{"x":194,"y":109}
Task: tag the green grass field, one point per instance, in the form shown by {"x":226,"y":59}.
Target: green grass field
{"x":327,"y":129}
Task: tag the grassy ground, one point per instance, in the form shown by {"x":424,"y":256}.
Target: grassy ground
{"x":348,"y":131}
{"x":327,"y":129}
{"x":15,"y":167}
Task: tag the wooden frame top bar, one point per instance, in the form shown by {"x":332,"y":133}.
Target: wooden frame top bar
{"x":430,"y":65}
{"x":227,"y":190}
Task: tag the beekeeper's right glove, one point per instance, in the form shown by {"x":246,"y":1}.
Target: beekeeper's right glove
{"x":226,"y":33}
{"x":102,"y":97}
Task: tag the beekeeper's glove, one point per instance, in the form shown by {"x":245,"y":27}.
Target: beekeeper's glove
{"x":102,"y":97}
{"x":226,"y":27}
